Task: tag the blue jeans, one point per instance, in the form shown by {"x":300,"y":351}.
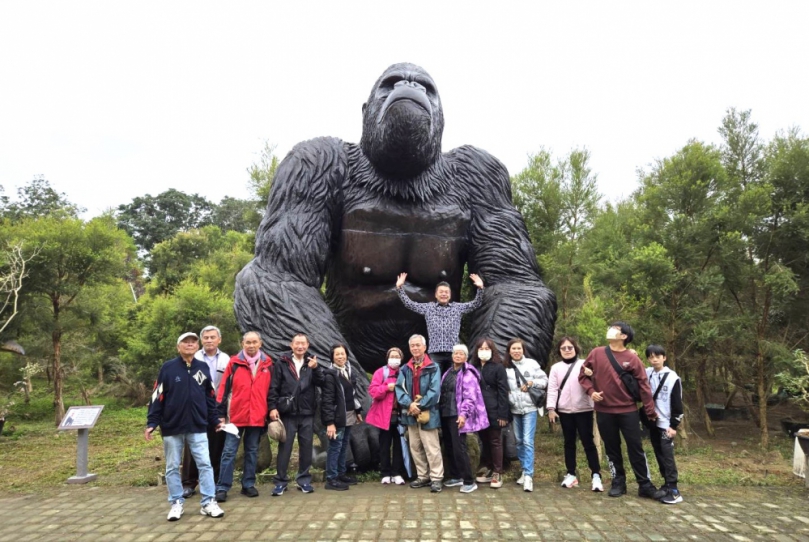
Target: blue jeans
{"x":251,"y":437}
{"x":525,"y":427}
{"x":336,"y":455}
{"x":173,"y":450}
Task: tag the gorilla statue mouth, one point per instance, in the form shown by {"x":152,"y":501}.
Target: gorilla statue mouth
{"x":407,"y":95}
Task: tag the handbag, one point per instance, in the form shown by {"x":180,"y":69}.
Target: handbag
{"x":424,"y":415}
{"x":537,"y":395}
{"x":629,"y":380}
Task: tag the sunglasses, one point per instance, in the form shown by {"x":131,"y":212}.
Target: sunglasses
{"x":566,"y":348}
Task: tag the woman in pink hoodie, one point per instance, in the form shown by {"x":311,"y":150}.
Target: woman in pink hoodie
{"x":568,"y":403}
{"x":384,"y":414}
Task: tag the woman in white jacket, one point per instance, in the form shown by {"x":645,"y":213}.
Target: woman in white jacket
{"x":568,"y":403}
{"x":523,"y":411}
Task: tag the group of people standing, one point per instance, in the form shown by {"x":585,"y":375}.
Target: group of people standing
{"x":207,"y":403}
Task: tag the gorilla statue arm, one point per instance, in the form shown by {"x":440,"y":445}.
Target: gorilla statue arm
{"x":280,"y":289}
{"x":516,"y":301}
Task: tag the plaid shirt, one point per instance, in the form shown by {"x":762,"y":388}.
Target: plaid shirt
{"x":443,"y":321}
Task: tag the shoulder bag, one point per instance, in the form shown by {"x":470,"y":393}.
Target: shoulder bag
{"x":537,"y":395}
{"x":629,"y":380}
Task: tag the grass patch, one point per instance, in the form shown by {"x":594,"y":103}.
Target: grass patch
{"x":34,"y":454}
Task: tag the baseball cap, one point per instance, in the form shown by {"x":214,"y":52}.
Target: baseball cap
{"x":186,"y":335}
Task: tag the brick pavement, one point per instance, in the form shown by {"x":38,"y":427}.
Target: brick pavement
{"x":371,"y":511}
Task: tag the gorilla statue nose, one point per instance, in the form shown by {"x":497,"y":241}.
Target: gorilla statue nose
{"x":412,"y":84}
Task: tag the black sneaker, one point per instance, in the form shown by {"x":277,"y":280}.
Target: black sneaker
{"x":346,"y":479}
{"x":673,"y":497}
{"x":617,"y":490}
{"x":336,"y":485}
{"x":250,"y":491}
{"x":661,"y":493}
{"x":435,"y":487}
{"x":420,"y":482}
{"x":188,"y":492}
{"x":221,"y":496}
{"x":647,"y":492}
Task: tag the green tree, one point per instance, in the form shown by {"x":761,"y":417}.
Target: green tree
{"x":160,"y":319}
{"x":72,"y":256}
{"x":153,"y":219}
{"x":37,"y":199}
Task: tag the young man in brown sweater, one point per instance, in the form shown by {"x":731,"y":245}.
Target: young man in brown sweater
{"x":616,"y":409}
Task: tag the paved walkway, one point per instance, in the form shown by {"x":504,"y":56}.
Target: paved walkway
{"x":374,"y":512}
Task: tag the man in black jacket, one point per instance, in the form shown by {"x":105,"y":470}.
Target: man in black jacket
{"x":292,"y":399}
{"x":184,"y":406}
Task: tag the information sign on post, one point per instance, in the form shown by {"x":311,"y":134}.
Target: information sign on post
{"x":82,"y":418}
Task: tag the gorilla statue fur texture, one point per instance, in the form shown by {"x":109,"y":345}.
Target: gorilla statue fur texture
{"x":358,"y":215}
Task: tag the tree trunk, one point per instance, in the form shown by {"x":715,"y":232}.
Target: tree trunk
{"x":56,"y":336}
{"x":701,"y":397}
{"x":100,"y":374}
{"x":761,"y":378}
{"x":597,"y":439}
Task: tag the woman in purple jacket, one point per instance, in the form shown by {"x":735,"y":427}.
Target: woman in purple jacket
{"x":462,"y":411}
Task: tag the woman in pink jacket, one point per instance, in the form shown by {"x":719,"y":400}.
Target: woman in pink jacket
{"x":568,"y":403}
{"x":384,"y":414}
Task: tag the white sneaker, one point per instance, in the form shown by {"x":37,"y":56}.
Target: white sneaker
{"x":597,"y":483}
{"x":521,"y":479}
{"x":386,"y":480}
{"x":398,"y":480}
{"x":528,"y":484}
{"x":212,"y":509}
{"x":570,"y":481}
{"x":176,"y":511}
{"x":469,"y":488}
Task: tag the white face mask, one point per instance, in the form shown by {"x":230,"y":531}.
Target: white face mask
{"x":613,"y":334}
{"x":485,"y":355}
{"x":394,"y":363}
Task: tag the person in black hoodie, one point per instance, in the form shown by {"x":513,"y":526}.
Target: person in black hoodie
{"x":292,"y":400}
{"x":494,"y":387}
{"x":184,"y":406}
{"x":339,"y":411}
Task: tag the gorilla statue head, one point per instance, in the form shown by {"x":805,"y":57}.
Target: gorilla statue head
{"x":402,"y":122}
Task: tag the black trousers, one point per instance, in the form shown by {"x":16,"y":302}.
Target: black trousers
{"x":664,"y":453}
{"x":455,"y":446}
{"x":581,"y":423}
{"x":612,"y":427}
{"x":491,"y":448}
{"x":387,"y":440}
{"x":190,"y":473}
{"x":304,"y":427}
{"x":443,"y":359}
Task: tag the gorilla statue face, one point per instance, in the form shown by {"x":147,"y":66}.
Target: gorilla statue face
{"x":403,"y":122}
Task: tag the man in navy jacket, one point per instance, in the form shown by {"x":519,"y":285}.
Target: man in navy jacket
{"x":184,"y":406}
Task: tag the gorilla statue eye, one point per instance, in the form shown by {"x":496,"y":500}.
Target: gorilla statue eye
{"x":389,"y":82}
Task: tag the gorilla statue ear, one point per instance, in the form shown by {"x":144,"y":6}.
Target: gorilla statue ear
{"x":363,"y":107}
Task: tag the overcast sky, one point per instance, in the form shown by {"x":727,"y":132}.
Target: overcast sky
{"x":113,"y":100}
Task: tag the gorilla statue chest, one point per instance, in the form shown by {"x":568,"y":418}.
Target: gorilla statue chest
{"x":379,"y":237}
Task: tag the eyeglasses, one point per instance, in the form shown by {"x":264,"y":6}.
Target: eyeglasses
{"x":566,"y":348}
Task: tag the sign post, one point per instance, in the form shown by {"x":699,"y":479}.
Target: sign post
{"x":83,"y":419}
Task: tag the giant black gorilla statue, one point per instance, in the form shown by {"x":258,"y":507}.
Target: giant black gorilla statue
{"x":357,"y":215}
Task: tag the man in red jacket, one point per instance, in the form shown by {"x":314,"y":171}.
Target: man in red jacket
{"x":242,"y":398}
{"x":616,"y":410}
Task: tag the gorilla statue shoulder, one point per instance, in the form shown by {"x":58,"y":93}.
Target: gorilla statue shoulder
{"x":358,"y":215}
